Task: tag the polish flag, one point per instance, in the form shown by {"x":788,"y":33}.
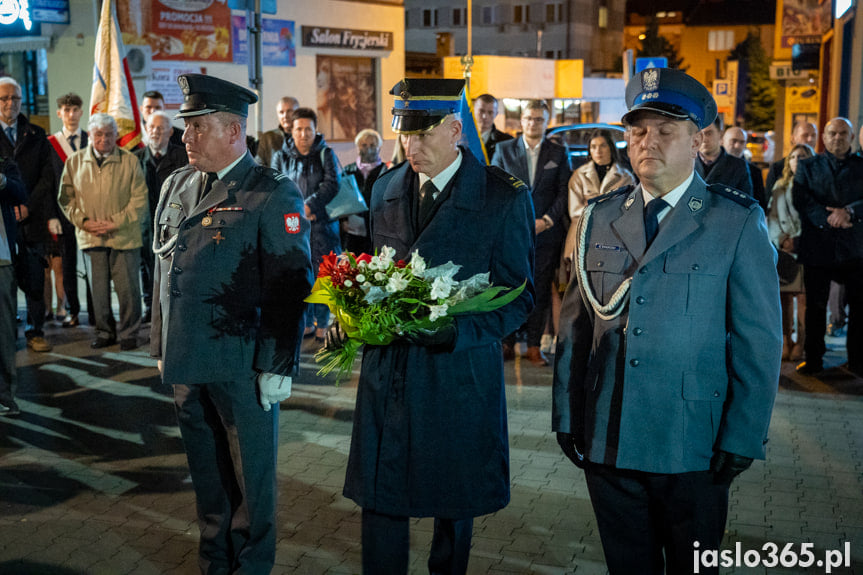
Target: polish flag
{"x":113,"y":92}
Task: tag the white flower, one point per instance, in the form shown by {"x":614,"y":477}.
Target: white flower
{"x":438,"y":311}
{"x":348,"y":283}
{"x":381,"y":276}
{"x":418,"y":265}
{"x":396,"y":283}
{"x":441,"y":287}
{"x":386,"y":256}
{"x":375,"y":295}
{"x":361,"y":278}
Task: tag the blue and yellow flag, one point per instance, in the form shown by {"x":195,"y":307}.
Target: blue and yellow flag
{"x":470,"y":137}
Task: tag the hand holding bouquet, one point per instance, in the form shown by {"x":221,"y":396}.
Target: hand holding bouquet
{"x":377,"y":300}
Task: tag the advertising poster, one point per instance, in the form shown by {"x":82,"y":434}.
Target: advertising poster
{"x":278,"y":44}
{"x":804,"y":21}
{"x":164,"y":80}
{"x":346,"y":96}
{"x":178,"y":29}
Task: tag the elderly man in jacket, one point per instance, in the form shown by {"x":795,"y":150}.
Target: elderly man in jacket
{"x":103,"y":193}
{"x":670,"y":341}
{"x":430,"y":428}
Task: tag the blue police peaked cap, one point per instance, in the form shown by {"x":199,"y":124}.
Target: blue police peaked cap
{"x":204,"y":94}
{"x":422,"y":104}
{"x":672,"y":93}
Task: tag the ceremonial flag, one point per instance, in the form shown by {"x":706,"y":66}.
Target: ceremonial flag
{"x":113,"y":92}
{"x":470,"y":137}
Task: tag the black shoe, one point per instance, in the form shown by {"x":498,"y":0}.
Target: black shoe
{"x":102,"y":342}
{"x":71,"y":321}
{"x":49,"y":316}
{"x":8,"y":410}
{"x":810,"y":368}
{"x":128,"y":344}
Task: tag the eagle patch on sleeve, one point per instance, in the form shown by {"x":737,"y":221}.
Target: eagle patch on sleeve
{"x":292,"y":223}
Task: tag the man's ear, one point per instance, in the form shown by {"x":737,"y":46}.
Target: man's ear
{"x":697,"y":138}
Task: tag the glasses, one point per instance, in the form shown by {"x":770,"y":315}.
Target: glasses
{"x":5,"y":99}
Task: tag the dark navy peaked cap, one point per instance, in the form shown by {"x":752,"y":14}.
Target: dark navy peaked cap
{"x":207,"y":94}
{"x":672,"y":93}
{"x":422,"y":104}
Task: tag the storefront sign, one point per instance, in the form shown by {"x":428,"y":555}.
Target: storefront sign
{"x":319,"y":37}
{"x":277,"y":43}
{"x":12,"y":12}
{"x":783,"y":71}
{"x":804,"y":20}
{"x":179,"y":29}
{"x":51,"y":11}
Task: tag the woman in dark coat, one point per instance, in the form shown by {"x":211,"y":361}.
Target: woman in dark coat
{"x":307,"y":160}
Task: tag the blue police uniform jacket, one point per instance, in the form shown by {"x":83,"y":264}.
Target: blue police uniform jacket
{"x":230,"y":291}
{"x":430,"y":430}
{"x":691,"y":365}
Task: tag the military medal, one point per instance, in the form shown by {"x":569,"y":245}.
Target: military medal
{"x":207,"y":221}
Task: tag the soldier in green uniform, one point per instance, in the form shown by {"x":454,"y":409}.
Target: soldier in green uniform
{"x":233,"y":268}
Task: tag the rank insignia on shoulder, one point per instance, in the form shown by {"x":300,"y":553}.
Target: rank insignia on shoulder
{"x":614,"y":194}
{"x":175,"y":205}
{"x":734,"y":195}
{"x":508,"y":178}
{"x":292,"y":223}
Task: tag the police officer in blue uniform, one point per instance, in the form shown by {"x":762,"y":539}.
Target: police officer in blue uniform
{"x":233,"y":268}
{"x":670,"y":340}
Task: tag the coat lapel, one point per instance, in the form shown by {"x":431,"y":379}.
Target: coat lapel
{"x":629,"y":227}
{"x":397,"y":208}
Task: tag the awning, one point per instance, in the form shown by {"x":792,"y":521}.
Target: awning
{"x":25,"y":43}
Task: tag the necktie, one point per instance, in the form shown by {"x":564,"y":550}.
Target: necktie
{"x":651,"y":218}
{"x":427,"y":192}
{"x":208,"y":183}
{"x":10,"y":132}
{"x":72,"y":143}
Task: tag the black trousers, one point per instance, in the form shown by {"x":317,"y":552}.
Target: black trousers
{"x":231,"y":444}
{"x":816,"y":281}
{"x":30,"y":271}
{"x":386,"y":545}
{"x":649,"y":522}
{"x":70,"y":269}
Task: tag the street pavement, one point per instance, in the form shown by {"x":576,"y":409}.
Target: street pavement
{"x":93,"y":477}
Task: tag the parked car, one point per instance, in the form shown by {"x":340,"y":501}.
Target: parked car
{"x":760,"y":148}
{"x":576,"y":139}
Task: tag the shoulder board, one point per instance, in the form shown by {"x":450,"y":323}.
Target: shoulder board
{"x":737,"y":196}
{"x":612,"y":194}
{"x":506,"y":177}
{"x":271,"y":173}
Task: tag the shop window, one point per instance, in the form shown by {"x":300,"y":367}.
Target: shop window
{"x":346,"y":96}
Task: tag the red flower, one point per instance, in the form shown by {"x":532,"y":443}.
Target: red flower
{"x":401,"y":264}
{"x":364,"y":258}
{"x":328,"y":265}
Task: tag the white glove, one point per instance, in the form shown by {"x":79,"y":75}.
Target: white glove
{"x":273,"y":389}
{"x":54,"y":227}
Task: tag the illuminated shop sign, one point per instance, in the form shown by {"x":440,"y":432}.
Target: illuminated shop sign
{"x":324,"y":37}
{"x":12,"y":11}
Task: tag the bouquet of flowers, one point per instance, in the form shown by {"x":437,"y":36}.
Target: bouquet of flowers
{"x":376,"y":299}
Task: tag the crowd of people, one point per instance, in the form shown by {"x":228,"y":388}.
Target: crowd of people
{"x":668,"y":283}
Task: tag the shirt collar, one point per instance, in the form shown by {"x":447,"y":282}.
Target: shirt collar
{"x":224,"y":171}
{"x":527,"y":146}
{"x":672,"y":197}
{"x":442,"y":179}
{"x":67,"y":134}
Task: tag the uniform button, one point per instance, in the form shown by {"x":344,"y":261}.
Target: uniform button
{"x":175,"y":293}
{"x":600,"y":264}
{"x":715,"y":394}
{"x":177,"y":270}
{"x":634,"y":362}
{"x":640,"y":300}
{"x":642,"y":271}
{"x":696,"y":267}
{"x":638,"y":331}
{"x":182,"y":247}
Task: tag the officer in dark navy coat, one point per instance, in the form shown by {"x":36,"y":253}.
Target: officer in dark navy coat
{"x":670,"y":340}
{"x":430,"y":427}
{"x":233,"y":269}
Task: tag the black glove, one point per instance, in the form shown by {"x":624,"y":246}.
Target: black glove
{"x":335,"y":337}
{"x":726,"y":466}
{"x":442,"y":339}
{"x":568,"y":445}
